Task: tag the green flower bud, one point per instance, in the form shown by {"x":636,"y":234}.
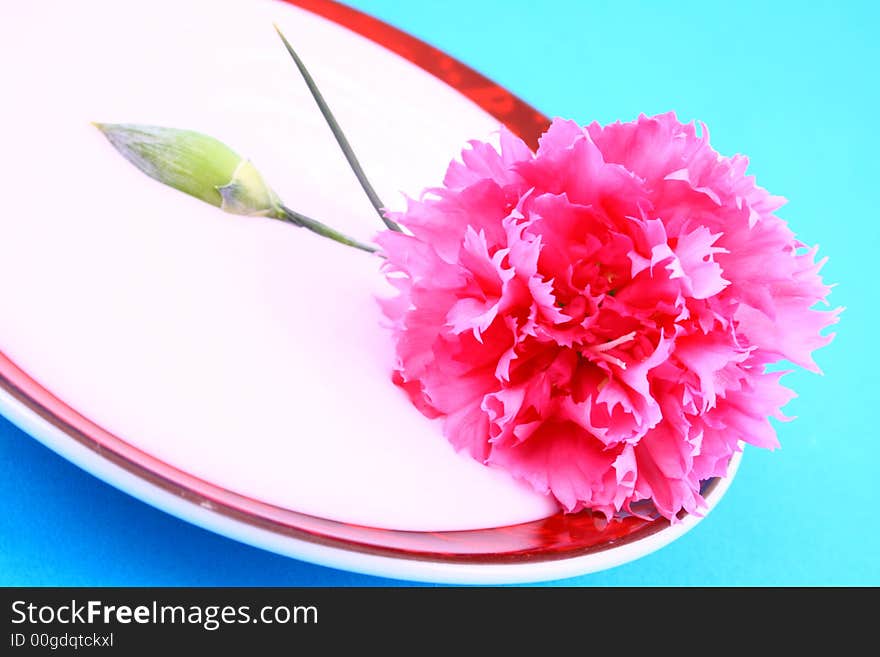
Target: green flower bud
{"x":196,"y":164}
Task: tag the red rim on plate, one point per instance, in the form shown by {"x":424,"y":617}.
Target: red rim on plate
{"x":559,"y":536}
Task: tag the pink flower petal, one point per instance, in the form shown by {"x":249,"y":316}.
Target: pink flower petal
{"x":596,"y":318}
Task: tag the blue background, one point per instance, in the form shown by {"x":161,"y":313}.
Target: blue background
{"x":794,"y":86}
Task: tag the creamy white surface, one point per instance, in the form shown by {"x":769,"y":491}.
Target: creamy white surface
{"x":243,"y":351}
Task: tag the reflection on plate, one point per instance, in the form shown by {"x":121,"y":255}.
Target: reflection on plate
{"x":232,"y":371}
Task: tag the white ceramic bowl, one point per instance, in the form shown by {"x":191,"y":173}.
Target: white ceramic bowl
{"x":210,"y":365}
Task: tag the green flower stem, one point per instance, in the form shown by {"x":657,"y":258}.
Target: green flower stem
{"x":297,"y":219}
{"x":339,"y":135}
{"x":209,"y":170}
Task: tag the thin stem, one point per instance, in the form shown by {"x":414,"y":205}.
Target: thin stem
{"x":297,"y":219}
{"x":340,"y":136}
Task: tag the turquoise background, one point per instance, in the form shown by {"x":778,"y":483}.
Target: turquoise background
{"x":794,"y":86}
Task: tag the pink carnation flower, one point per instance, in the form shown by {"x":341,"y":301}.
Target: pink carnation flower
{"x":597,"y":317}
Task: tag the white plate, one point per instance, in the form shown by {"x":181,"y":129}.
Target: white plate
{"x":233,"y":371}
